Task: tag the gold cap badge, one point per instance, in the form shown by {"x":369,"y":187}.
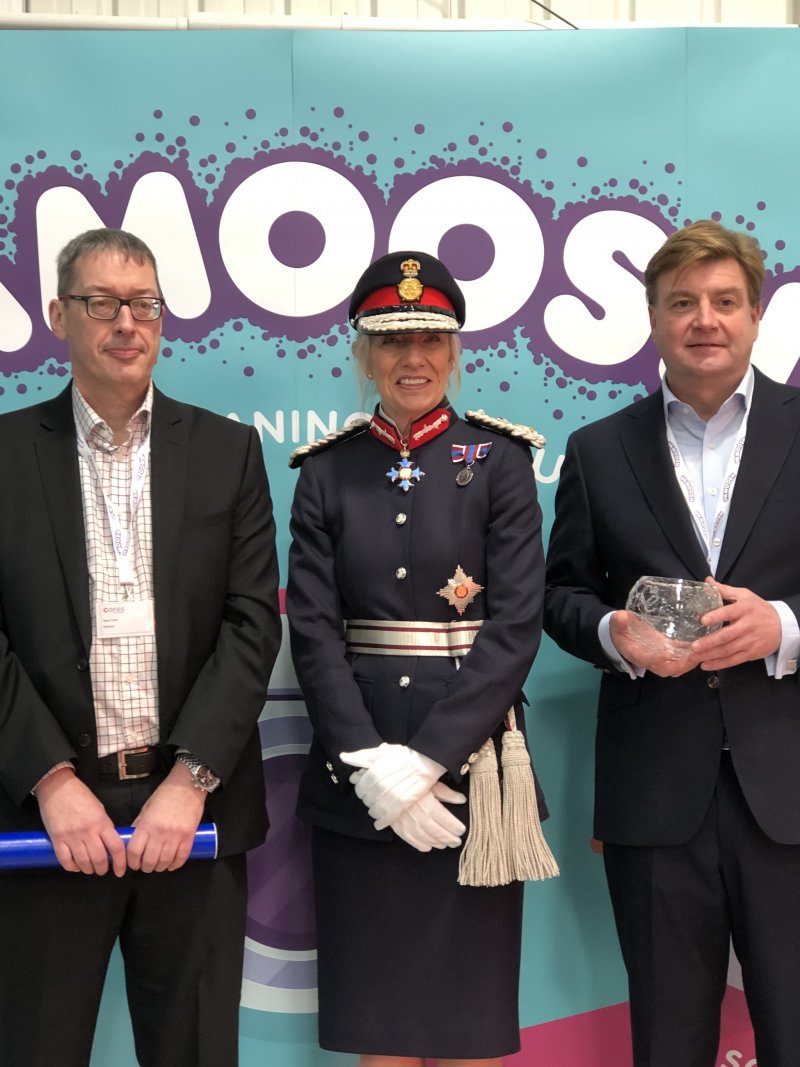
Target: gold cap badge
{"x":410,"y":289}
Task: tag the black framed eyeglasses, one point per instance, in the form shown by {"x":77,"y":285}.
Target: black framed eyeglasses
{"x":143,"y":308}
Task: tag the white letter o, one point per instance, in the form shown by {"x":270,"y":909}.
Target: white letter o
{"x":261,"y":199}
{"x":507,"y":219}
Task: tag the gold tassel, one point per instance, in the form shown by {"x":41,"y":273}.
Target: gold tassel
{"x":528,"y":854}
{"x":483,"y":859}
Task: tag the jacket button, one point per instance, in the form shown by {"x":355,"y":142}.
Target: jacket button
{"x":465,"y":768}
{"x":400,"y":518}
{"x":84,"y":740}
{"x":82,"y":665}
{"x":334,"y":779}
{"x":404,"y":682}
{"x":712,"y":681}
{"x":400,"y":573}
{"x":329,"y":766}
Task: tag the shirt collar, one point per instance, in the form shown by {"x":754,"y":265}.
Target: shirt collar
{"x":97,"y":430}
{"x":744,"y":390}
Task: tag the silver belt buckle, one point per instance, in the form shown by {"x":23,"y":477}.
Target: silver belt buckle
{"x":122,"y":766}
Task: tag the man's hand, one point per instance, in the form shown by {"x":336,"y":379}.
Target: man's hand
{"x":752,"y":630}
{"x":643,"y":646}
{"x":166,"y":825}
{"x":83,"y":836}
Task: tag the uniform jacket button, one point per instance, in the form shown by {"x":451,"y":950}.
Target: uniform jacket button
{"x":84,"y":740}
{"x":334,"y":779}
{"x":404,"y":682}
{"x":400,"y":573}
{"x":465,"y":769}
{"x":400,"y":518}
{"x":82,"y":665}
{"x":713,"y":681}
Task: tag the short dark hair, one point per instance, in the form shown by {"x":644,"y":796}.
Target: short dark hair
{"x":704,"y":242}
{"x":104,"y":240}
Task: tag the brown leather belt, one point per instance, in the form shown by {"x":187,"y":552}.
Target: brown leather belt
{"x":133,"y":763}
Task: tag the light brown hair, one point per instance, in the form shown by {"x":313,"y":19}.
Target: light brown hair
{"x":704,"y":242}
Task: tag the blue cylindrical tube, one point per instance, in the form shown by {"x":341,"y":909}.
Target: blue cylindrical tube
{"x":33,"y":849}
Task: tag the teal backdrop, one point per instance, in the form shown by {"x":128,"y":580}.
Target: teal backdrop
{"x":266,"y":169}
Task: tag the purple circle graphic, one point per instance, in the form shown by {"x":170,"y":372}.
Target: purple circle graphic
{"x":468,"y":250}
{"x":296,"y":239}
{"x":280,"y":910}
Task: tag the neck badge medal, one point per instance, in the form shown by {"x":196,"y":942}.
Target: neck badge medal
{"x":404,"y":473}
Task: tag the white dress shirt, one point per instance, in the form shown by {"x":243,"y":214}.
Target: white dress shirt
{"x":123,"y":669}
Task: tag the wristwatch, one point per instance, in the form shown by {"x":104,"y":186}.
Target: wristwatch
{"x":202,"y":777}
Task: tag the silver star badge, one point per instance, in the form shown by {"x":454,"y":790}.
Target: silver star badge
{"x":460,"y":590}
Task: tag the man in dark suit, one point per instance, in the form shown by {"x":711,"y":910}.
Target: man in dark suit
{"x":698,"y":745}
{"x":138,"y":627}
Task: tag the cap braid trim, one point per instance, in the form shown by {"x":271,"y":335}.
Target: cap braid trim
{"x":401,"y":321}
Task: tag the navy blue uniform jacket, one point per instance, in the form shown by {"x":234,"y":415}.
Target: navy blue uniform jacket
{"x":351,"y":547}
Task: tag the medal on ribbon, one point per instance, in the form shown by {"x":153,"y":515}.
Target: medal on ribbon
{"x":460,"y":590}
{"x":467,"y":454}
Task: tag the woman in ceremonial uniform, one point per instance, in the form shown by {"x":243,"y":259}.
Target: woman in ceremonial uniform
{"x":414,"y":601}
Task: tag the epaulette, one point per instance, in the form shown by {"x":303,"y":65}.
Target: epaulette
{"x":304,"y":451}
{"x":510,"y":429}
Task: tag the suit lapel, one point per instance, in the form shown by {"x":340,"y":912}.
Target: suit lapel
{"x":57,"y":458}
{"x":168,"y":466}
{"x":771,"y":430}
{"x":644,"y":441}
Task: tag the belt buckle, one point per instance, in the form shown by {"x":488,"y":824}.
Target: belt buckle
{"x":122,"y":765}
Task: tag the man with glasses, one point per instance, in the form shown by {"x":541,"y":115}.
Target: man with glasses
{"x":138,"y":627}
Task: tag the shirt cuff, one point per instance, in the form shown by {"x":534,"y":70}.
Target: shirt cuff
{"x":784,"y":662}
{"x":604,"y":635}
{"x":58,"y":767}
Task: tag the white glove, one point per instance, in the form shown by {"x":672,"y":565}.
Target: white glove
{"x":395,"y":777}
{"x":427,"y":823}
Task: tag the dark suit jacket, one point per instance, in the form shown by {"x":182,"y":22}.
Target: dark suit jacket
{"x":215,"y":583}
{"x":620,"y":515}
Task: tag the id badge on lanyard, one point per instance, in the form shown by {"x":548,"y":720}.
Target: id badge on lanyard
{"x":693,"y":496}
{"x":125,"y":618}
